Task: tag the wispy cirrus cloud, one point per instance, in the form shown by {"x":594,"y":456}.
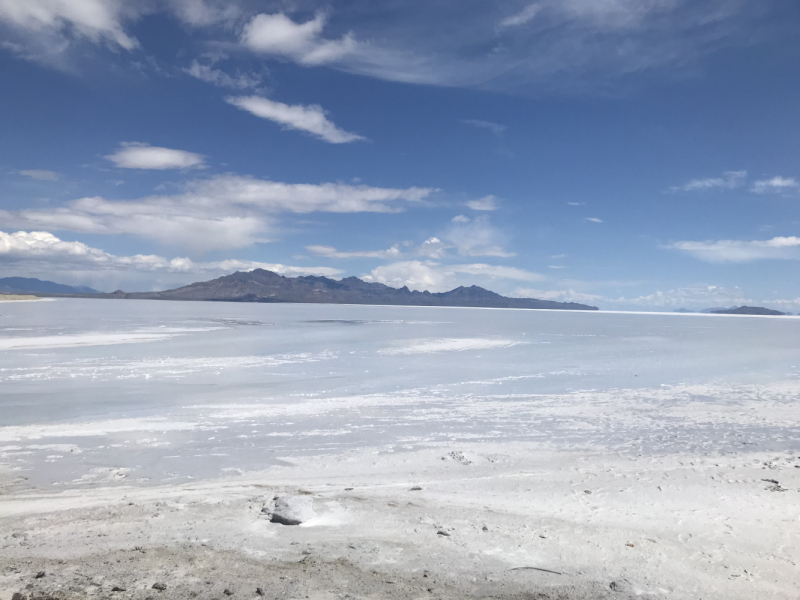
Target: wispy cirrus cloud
{"x":496,"y":128}
{"x":722,"y":251}
{"x":137,"y":155}
{"x":775,"y":185}
{"x":218,"y":77}
{"x":489,"y":202}
{"x":522,"y":17}
{"x":730,"y":180}
{"x":312,"y":119}
{"x":331,"y":252}
{"x":225,"y":211}
{"x":40,"y":174}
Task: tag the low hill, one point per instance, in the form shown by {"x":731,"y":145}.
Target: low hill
{"x":748,"y":310}
{"x":28,"y":285}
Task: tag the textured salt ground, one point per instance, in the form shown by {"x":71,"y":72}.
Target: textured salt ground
{"x":488,"y":520}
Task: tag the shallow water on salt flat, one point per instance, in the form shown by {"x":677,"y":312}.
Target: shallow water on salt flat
{"x":93,"y":391}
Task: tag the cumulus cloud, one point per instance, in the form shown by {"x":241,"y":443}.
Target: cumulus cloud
{"x":776,"y":185}
{"x":477,"y":237}
{"x":485,"y":203}
{"x":237,"y":81}
{"x":312,"y":119}
{"x":226,"y":211}
{"x":41,"y":174}
{"x":280,"y":36}
{"x":435,"y":277}
{"x":46,"y":252}
{"x":495,"y":128}
{"x":730,"y":180}
{"x":721,"y":251}
{"x":331,"y":252}
{"x":136,"y":155}
{"x":522,"y":17}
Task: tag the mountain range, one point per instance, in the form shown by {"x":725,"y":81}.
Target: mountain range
{"x":265,"y":286}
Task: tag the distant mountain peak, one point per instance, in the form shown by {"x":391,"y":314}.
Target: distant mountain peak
{"x":261,"y":285}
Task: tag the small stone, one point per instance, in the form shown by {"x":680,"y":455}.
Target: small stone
{"x":291,"y":510}
{"x":160,"y":586}
{"x":259,"y":592}
{"x":443,"y":532}
{"x":485,"y":528}
{"x":416,"y":488}
{"x":621,"y":586}
{"x":18,"y":596}
{"x":227,"y":592}
{"x":40,"y":574}
{"x":118,"y":588}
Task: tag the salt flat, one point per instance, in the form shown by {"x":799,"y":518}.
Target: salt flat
{"x":556,"y":452}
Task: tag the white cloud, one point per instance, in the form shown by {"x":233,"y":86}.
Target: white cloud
{"x":556,"y":267}
{"x":95,"y":20}
{"x":460,"y":219}
{"x":41,"y":174}
{"x":238,"y":81}
{"x":311,"y":118}
{"x":730,"y":180}
{"x":199,"y":13}
{"x":46,"y":253}
{"x":433,"y":247}
{"x":495,"y":128}
{"x":485,"y":203}
{"x":557,"y":295}
{"x":697,"y":297}
{"x":775,"y":185}
{"x":435,"y":277}
{"x":331,"y":252}
{"x":786,"y":248}
{"x":594,"y":219}
{"x":576,"y":203}
{"x":135,"y":155}
{"x":278,"y":35}
{"x":226,"y":211}
{"x":522,"y":17}
{"x":476,"y":238}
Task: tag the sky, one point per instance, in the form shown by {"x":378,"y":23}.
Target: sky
{"x":630,"y":154}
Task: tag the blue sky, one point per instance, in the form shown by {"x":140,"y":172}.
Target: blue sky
{"x":632,"y":154}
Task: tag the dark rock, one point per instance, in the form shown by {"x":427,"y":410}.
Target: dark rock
{"x":160,"y":586}
{"x":291,"y":510}
{"x":18,"y":596}
{"x":259,"y":592}
{"x":228,"y":592}
{"x":40,"y":574}
{"x":118,"y":588}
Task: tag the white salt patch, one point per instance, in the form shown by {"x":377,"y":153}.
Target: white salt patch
{"x":450,"y":345}
{"x":16,"y":433}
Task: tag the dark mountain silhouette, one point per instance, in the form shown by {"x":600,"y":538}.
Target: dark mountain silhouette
{"x":27,"y":285}
{"x":266,"y":286}
{"x":748,"y":310}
